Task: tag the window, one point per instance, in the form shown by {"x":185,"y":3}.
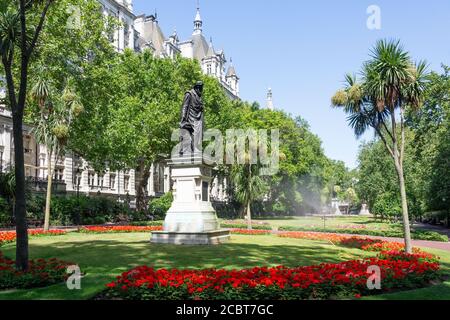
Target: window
{"x":42,"y":165}
{"x":100,"y":180}
{"x":59,"y":174}
{"x":126,"y":183}
{"x":126,"y":35}
{"x":27,"y":147}
{"x":78,"y":179}
{"x":112,"y":181}
{"x":91,"y":179}
{"x":208,"y":68}
{"x":112,"y":32}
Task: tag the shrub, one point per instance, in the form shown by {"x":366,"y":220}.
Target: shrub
{"x":159,"y":207}
{"x":394,"y":233}
{"x":72,"y":210}
{"x":387,"y":205}
{"x":41,"y":273}
{"x":5,"y":212}
{"x":147,"y":223}
{"x":244,"y":226}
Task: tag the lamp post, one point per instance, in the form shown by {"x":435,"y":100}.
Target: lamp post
{"x":118,"y":184}
{"x":78,"y":182}
{"x":78,"y":178}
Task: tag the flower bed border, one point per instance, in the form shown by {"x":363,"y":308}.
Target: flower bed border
{"x":400,"y":271}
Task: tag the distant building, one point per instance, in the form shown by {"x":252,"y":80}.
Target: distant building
{"x":269,"y":101}
{"x":126,"y":36}
{"x":212,"y":62}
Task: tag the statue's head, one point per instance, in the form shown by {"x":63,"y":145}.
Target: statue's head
{"x":198,"y":87}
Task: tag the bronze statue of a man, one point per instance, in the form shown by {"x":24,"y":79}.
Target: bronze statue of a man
{"x":192,"y":121}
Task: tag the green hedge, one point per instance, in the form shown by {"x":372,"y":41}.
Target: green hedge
{"x":159,"y":207}
{"x":147,"y":223}
{"x":5,"y":212}
{"x":416,"y":234}
{"x":72,"y":210}
{"x":244,"y":226}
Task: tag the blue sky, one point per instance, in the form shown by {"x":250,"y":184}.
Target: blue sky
{"x":302,"y":49}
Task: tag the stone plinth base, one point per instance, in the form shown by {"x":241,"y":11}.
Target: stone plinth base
{"x":186,"y":238}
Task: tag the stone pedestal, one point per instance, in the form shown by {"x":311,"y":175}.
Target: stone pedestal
{"x":191,"y":220}
{"x":365,"y":211}
{"x":335,"y":207}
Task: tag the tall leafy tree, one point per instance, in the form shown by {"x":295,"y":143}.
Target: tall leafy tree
{"x":136,"y":103}
{"x":21,"y":23}
{"x":72,"y":45}
{"x":391,"y":84}
{"x":432,"y":144}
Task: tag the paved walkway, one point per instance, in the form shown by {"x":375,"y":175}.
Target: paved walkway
{"x":417,"y":243}
{"x":429,"y":227}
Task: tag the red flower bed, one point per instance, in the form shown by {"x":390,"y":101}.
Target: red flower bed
{"x":7,"y":237}
{"x":362,"y":243}
{"x":384,"y":246}
{"x":41,"y":273}
{"x":346,"y":279}
{"x":10,"y":236}
{"x":120,"y":229}
{"x":251,"y":232}
{"x":335,"y":238}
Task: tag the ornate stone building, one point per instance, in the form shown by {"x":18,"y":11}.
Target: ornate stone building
{"x":213,"y":63}
{"x":73,"y":174}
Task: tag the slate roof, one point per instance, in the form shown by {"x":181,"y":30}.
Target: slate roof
{"x":200,"y":46}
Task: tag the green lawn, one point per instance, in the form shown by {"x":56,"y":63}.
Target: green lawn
{"x":102,"y":257}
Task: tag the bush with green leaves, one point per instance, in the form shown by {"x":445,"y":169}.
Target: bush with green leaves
{"x":244,"y":226}
{"x":158,"y":223}
{"x":5,"y":212}
{"x":159,"y":207}
{"x":394,"y":232}
{"x":387,"y":205}
{"x":81,"y":210}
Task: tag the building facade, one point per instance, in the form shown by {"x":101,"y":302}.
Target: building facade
{"x":213,"y":62}
{"x":72,"y":174}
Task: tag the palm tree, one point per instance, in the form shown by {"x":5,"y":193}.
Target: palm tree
{"x":391,"y":83}
{"x":57,"y":111}
{"x":248,"y":187}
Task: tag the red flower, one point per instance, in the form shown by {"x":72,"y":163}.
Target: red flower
{"x":119,"y":229}
{"x":251,"y":232}
{"x":397,"y":270}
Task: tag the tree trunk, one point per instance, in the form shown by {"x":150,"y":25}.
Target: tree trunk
{"x":249,"y":216}
{"x":405,"y":213}
{"x":48,"y":199}
{"x":20,"y":205}
{"x":141,"y":204}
